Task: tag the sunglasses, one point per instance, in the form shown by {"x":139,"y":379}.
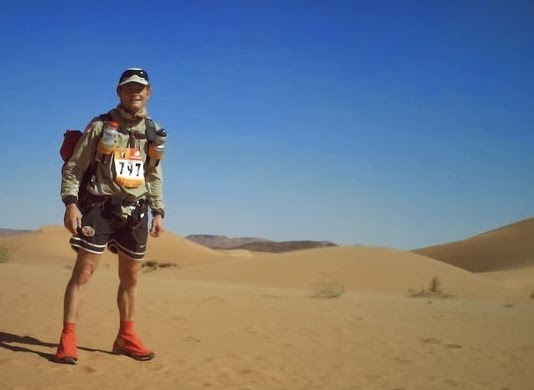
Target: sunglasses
{"x":133,"y":72}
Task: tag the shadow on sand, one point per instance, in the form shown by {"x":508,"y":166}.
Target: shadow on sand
{"x":7,"y":341}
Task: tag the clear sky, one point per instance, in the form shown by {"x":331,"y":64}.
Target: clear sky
{"x":390,"y":123}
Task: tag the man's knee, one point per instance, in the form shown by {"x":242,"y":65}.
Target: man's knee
{"x":86,"y":264}
{"x":81,"y":276}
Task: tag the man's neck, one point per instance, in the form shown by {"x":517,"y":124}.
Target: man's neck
{"x":139,"y":114}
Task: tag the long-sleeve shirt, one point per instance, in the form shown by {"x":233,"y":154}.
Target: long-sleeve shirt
{"x":105,"y":173}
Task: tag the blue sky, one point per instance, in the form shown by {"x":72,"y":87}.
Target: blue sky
{"x":390,"y":123}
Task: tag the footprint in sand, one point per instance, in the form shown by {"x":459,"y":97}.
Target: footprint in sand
{"x":90,"y":370}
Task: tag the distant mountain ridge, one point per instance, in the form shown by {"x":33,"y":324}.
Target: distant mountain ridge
{"x":213,"y":241}
{"x":13,"y":232}
{"x":283,"y":246}
{"x":255,"y":244}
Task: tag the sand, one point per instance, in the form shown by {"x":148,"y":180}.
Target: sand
{"x":244,"y":320}
{"x":510,"y":246}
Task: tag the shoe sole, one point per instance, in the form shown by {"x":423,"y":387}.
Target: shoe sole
{"x":141,"y":358}
{"x":66,"y":360}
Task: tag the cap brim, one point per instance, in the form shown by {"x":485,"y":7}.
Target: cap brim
{"x":134,"y":79}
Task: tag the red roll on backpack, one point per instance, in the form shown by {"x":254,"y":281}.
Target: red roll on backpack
{"x":70,"y":139}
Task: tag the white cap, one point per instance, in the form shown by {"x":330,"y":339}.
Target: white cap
{"x":134,"y":75}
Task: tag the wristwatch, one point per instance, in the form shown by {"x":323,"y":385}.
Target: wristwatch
{"x":70,"y":200}
{"x":158,"y":212}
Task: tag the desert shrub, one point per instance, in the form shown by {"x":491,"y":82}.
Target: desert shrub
{"x":435,"y":285}
{"x":330,"y":289}
{"x":434,"y":290}
{"x":5,"y":255}
{"x":154,"y":264}
{"x":166,"y":265}
{"x":150,"y":263}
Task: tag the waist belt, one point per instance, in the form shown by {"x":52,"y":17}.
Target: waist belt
{"x":113,"y":200}
{"x":115,"y":204}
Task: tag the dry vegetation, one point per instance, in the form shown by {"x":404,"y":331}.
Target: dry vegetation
{"x":5,"y":255}
{"x":329,"y":289}
{"x":434,"y":290}
{"x":152,"y":265}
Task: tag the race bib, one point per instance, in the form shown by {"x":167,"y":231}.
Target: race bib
{"x":129,"y":168}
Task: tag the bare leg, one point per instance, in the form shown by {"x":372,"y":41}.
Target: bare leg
{"x":128,"y":276}
{"x":127,"y":341}
{"x":86,"y":264}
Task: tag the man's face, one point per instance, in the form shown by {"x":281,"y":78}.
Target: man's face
{"x":134,"y":96}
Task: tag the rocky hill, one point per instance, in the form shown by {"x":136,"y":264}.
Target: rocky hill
{"x":283,"y":246}
{"x":222,"y":242}
{"x":255,"y":244}
{"x":12,"y":232}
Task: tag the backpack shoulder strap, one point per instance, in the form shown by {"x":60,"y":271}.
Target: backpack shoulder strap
{"x":150,"y":126}
{"x":105,"y":117}
{"x":150,"y":129}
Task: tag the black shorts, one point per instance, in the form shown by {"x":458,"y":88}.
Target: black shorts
{"x":101,"y":228}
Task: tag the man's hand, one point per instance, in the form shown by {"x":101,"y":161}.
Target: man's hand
{"x":72,"y":219}
{"x":157,"y":228}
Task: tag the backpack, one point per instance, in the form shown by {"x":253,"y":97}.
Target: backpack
{"x":71,"y":139}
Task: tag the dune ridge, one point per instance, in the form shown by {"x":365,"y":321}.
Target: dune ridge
{"x":359,"y":269}
{"x":503,"y":248}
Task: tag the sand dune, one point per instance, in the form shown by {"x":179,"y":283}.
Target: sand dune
{"x":358,"y":269}
{"x":183,"y":252}
{"x":48,"y":242}
{"x":507,"y":247}
{"x":51,"y":242}
{"x":519,"y":279}
{"x":243,"y":320}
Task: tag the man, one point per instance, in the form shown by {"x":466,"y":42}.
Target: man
{"x":113,"y":213}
